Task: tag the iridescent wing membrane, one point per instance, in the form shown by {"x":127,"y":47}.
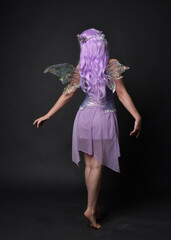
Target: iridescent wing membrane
{"x":114,"y":69}
{"x":66,"y":73}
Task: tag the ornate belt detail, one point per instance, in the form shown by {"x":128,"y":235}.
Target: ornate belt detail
{"x":93,"y":102}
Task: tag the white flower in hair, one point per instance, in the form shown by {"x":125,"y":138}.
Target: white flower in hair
{"x":83,"y":39}
{"x":100,"y":37}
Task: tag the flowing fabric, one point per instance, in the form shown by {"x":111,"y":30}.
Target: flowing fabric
{"x":96,"y":133}
{"x":95,"y":128}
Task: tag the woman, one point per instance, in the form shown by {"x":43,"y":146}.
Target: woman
{"x":95,"y":129}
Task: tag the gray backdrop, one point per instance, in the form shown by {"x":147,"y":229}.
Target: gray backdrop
{"x":37,"y":35}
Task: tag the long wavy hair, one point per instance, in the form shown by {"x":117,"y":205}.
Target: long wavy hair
{"x":94,"y":56}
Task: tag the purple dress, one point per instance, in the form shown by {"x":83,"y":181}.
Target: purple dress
{"x":96,"y":132}
{"x":95,"y":128}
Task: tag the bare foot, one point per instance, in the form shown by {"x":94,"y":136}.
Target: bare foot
{"x":91,"y":217}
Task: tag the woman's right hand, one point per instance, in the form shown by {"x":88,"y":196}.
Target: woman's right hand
{"x":40,"y":121}
{"x":137,"y":127}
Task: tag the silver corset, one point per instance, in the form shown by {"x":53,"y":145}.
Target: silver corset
{"x":107,"y":103}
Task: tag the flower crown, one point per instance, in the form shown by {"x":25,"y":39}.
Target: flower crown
{"x":83,"y":39}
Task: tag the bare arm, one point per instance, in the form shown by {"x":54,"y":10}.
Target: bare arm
{"x":126,"y":100}
{"x":62,"y":100}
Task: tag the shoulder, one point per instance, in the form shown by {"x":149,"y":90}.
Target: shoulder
{"x":113,"y":59}
{"x":112,"y":63}
{"x":77,"y":68}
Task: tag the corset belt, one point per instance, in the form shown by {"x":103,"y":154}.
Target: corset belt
{"x":107,"y":104}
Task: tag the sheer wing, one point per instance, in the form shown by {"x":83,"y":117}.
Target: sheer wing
{"x":66,"y":73}
{"x":114,"y":69}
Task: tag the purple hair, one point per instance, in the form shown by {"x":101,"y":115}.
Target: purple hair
{"x":94,"y":57}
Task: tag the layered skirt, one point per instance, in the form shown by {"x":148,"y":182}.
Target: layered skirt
{"x":96,"y":132}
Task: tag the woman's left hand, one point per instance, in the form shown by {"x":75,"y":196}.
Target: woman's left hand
{"x":137,"y":127}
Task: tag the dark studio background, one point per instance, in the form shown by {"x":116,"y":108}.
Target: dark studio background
{"x":39,"y":182}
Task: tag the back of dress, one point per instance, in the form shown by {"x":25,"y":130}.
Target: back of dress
{"x":95,"y":127}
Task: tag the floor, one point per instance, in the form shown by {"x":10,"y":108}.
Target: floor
{"x":29,"y":215}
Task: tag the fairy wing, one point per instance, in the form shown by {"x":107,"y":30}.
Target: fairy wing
{"x":114,"y":69}
{"x":66,"y":73}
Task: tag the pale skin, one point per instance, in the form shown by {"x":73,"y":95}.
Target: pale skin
{"x":93,"y":169}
